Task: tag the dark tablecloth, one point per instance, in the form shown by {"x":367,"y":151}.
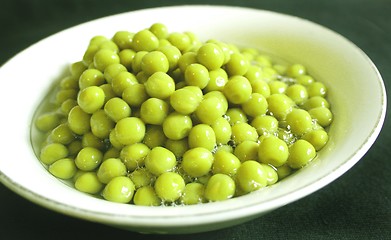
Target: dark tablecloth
{"x":355,"y":206}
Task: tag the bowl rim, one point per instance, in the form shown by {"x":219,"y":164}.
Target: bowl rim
{"x":217,"y":214}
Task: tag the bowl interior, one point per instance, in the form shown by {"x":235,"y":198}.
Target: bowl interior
{"x":356,"y":94}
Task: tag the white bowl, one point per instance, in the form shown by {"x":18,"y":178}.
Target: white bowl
{"x":356,"y":93}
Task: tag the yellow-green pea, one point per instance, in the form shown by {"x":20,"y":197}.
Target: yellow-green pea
{"x":277,"y":87}
{"x":272,"y":150}
{"x":237,"y":65}
{"x":116,"y":109}
{"x":298,"y":93}
{"x":111,"y":168}
{"x":202,"y":135}
{"x":169,"y":186}
{"x":219,"y":187}
{"x":179,"y":40}
{"x":283,"y":171}
{"x":236,"y":115}
{"x":79,"y":121}
{"x":197,"y":161}
{"x":121,"y":81}
{"x":91,"y":77}
{"x":160,"y":160}
{"x":141,"y":177}
{"x":184,"y":101}
{"x":270,"y":173}
{"x":160,"y":85}
{"x":242,"y":132}
{"x":251,"y":176}
{"x":88,"y":158}
{"x":135,"y":95}
{"x":62,"y":134}
{"x":279,"y":105}
{"x":222,"y":130}
{"x":210,"y":109}
{"x":296,"y":70}
{"x":237,"y":90}
{"x":300,"y":154}
{"x":53,"y":152}
{"x":247,"y":150}
{"x":133,"y":156}
{"x":154,"y":111}
{"x":316,"y":101}
{"x":145,"y":40}
{"x":64,"y":168}
{"x":322,"y":115}
{"x":146,"y":196}
{"x":265,"y":124}
{"x":211,"y":56}
{"x":126,"y":58}
{"x":119,"y":189}
{"x":316,"y":89}
{"x":154,"y":61}
{"x":299,"y":121}
{"x":90,"y":140}
{"x":101,"y":124}
{"x":193,"y":193}
{"x":226,"y":163}
{"x":154,"y":136}
{"x":197,"y":75}
{"x":91,"y":99}
{"x":178,"y":147}
{"x":104,"y":58}
{"x":130,"y":130}
{"x":177,"y":126}
{"x":318,"y":138}
{"x":88,"y":182}
{"x":111,"y":71}
{"x":260,"y":86}
{"x":255,"y":105}
{"x":123,"y":39}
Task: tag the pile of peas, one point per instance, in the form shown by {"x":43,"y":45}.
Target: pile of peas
{"x":161,"y":118}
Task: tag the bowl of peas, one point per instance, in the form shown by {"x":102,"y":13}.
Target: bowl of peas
{"x":167,"y":126}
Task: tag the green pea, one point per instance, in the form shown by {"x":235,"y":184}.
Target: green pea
{"x":130,"y":130}
{"x":253,"y":73}
{"x":236,"y":115}
{"x":202,"y":135}
{"x":265,"y":124}
{"x":67,"y":105}
{"x":226,"y":163}
{"x":69,"y":82}
{"x":91,"y":77}
{"x":315,"y":101}
{"x":276,"y":86}
{"x":251,"y":176}
{"x":237,"y":90}
{"x":211,"y":56}
{"x":219,"y":187}
{"x":260,"y":86}
{"x":65,"y":94}
{"x":279,"y":105}
{"x":133,"y":156}
{"x":255,"y":105}
{"x":121,"y":81}
{"x":242,"y":132}
{"x":298,"y":93}
{"x":146,"y":196}
{"x":112,"y":152}
{"x":178,"y":147}
{"x":160,"y":160}
{"x":90,"y":140}
{"x":159,"y":30}
{"x":184,"y":101}
{"x":88,"y":158}
{"x":273,"y":150}
{"x":222,"y":130}
{"x":197,"y":75}
{"x":197,"y":161}
{"x":218,"y":78}
{"x":116,"y":109}
{"x":177,"y":126}
{"x":296,"y":70}
{"x":112,"y":71}
{"x":136,"y":61}
{"x":53,"y":152}
{"x":119,"y":189}
{"x":101,"y":124}
{"x":88,"y":182}
{"x":210,"y":109}
{"x":63,"y":168}
{"x":104,"y":58}
{"x":316,"y":89}
{"x":160,"y":85}
{"x":109,"y":92}
{"x":111,"y":168}
{"x":91,"y":99}
{"x":322,"y":115}
{"x":74,"y":147}
{"x":62,"y":134}
{"x":169,"y":186}
{"x":299,"y":121}
{"x":126,"y":58}
{"x":154,"y":61}
{"x":145,"y":40}
{"x":283,"y":171}
{"x":179,"y":40}
{"x":123,"y":39}
{"x":237,"y":65}
{"x":141,"y":177}
{"x":193,"y":194}
{"x":154,"y":136}
{"x":172,"y":54}
{"x":271,"y":174}
{"x":135,"y":95}
{"x":186,"y":59}
{"x":300,"y":153}
{"x":247,"y":150}
{"x":154,"y":111}
{"x":318,"y":138}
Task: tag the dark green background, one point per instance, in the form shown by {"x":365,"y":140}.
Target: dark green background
{"x":355,"y":206}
